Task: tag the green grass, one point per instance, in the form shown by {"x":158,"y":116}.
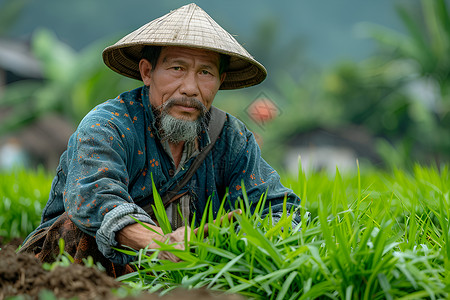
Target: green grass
{"x":23,"y":195}
{"x":373,"y":236}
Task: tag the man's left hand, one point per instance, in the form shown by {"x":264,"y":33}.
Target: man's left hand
{"x":229,"y":215}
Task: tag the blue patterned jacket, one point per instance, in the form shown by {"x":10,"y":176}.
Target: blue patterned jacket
{"x":105,"y":173}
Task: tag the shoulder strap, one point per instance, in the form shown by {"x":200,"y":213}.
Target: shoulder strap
{"x":215,"y":127}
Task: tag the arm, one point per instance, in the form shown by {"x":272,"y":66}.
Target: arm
{"x":96,"y":196}
{"x":138,"y":237}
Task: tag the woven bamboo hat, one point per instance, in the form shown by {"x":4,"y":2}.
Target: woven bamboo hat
{"x":188,"y":26}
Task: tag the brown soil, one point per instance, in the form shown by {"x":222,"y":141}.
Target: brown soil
{"x":14,"y":242}
{"x":22,"y":274}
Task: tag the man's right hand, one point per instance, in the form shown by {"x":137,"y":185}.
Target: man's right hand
{"x":138,"y":237}
{"x":176,"y":237}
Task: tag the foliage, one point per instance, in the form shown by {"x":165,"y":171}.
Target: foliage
{"x":377,"y":236}
{"x":23,"y":194}
{"x":403,"y":93}
{"x":279,"y":57}
{"x":9,"y":13}
{"x":400,"y":95}
{"x":63,"y":259}
{"x":74,"y":83}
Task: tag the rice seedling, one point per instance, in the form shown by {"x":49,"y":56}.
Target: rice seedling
{"x":377,"y":236}
{"x":23,"y":194}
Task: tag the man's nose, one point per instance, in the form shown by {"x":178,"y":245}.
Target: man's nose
{"x":189,"y":85}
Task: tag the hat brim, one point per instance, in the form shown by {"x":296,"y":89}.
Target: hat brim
{"x":242,"y":71}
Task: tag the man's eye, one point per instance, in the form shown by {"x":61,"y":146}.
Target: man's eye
{"x":177,"y":68}
{"x":204,"y":72}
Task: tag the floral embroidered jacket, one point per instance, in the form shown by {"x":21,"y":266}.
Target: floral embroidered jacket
{"x":107,"y":171}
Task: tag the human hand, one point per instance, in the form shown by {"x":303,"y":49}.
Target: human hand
{"x":176,"y":237}
{"x":137,"y":237}
{"x":229,"y":216}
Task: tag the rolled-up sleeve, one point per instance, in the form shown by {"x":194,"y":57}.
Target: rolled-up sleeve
{"x":96,"y":196}
{"x":114,"y":221}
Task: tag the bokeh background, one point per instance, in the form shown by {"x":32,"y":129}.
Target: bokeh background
{"x":348,"y":79}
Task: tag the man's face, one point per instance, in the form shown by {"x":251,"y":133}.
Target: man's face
{"x":183,"y":79}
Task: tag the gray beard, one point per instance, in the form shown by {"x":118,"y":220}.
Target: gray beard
{"x":179,"y":130}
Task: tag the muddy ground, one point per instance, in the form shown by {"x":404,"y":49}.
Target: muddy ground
{"x":22,"y":274}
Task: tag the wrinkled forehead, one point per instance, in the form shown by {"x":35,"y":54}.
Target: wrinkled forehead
{"x":189,"y":54}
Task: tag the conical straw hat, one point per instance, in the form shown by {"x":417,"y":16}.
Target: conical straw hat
{"x":188,"y":26}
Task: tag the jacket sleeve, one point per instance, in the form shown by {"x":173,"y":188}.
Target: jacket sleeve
{"x":96,"y":195}
{"x":248,"y":169}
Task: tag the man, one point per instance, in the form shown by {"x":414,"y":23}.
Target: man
{"x":157,"y":133}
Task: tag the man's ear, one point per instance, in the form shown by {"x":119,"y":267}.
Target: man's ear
{"x":222,"y":77}
{"x":145,"y":68}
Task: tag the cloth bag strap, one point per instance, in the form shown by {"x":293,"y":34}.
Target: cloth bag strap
{"x":216,"y":123}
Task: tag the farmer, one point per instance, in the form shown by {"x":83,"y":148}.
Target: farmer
{"x":167,"y":133}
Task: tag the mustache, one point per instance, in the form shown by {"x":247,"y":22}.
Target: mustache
{"x":163,"y":110}
{"x":184,"y":101}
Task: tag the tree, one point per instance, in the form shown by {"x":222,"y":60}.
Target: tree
{"x":74,"y":83}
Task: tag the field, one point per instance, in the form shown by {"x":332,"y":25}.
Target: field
{"x":371,"y":235}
